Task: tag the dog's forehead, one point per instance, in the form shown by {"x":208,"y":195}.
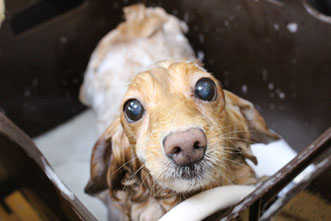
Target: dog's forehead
{"x":147,"y":82}
{"x":166,"y":77}
{"x":164,"y":82}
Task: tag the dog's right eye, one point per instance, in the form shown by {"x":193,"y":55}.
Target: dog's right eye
{"x":205,"y":89}
{"x":133,"y":110}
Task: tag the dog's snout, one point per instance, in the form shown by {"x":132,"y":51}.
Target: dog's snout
{"x":186,"y":147}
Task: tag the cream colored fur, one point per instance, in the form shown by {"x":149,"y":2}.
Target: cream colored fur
{"x":129,"y":158}
{"x":147,"y":36}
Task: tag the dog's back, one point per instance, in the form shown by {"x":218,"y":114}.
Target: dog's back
{"x":147,"y":36}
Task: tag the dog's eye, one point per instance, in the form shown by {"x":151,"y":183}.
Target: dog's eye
{"x":133,"y":110}
{"x":205,"y":89}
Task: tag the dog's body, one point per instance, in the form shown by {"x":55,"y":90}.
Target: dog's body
{"x":149,"y":35}
{"x":141,"y":157}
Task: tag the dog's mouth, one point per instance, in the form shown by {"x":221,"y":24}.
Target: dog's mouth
{"x":189,"y":172}
{"x":186,"y":178}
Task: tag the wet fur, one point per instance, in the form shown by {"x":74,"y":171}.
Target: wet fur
{"x":128,"y":161}
{"x":141,"y":178}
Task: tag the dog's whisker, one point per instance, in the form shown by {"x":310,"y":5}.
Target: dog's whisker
{"x":136,"y":171}
{"x":130,"y":178}
{"x":232,"y":143}
{"x":123,"y":165}
{"x":220,"y":162}
{"x":233,"y":161}
{"x":243,"y":131}
{"x":233,"y":125}
{"x":232,"y":150}
{"x":242,"y":139}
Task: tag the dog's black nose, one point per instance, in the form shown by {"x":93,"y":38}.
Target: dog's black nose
{"x":187,"y":147}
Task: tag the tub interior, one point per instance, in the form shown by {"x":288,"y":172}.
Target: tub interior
{"x":273,"y":53}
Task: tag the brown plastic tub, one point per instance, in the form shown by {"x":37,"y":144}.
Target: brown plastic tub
{"x":274,"y":53}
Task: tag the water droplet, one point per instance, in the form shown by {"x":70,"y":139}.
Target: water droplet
{"x":244,"y":88}
{"x":226,"y":23}
{"x":201,"y":38}
{"x":63,"y":39}
{"x":186,"y":17}
{"x":292,"y":27}
{"x":276,"y":26}
{"x":175,"y":12}
{"x":281,"y":95}
{"x":200,"y":55}
{"x":271,"y":86}
{"x":35,"y":82}
{"x":27,"y":93}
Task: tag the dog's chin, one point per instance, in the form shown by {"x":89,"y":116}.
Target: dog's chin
{"x":191,"y":172}
{"x":184,"y":179}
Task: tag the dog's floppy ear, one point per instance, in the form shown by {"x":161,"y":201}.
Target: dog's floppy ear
{"x":258,"y":129}
{"x":107,"y":154}
{"x":100,"y":161}
{"x":112,"y":158}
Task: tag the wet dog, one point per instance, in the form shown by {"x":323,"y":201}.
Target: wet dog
{"x":173,"y":130}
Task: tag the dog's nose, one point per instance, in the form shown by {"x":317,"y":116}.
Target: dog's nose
{"x":186,"y":147}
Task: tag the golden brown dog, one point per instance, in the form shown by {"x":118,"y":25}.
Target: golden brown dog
{"x":178,"y":133}
{"x":173,"y":131}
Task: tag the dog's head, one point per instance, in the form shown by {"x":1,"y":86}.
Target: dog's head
{"x":178,"y":129}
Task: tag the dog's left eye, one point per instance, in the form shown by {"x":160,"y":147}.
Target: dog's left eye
{"x":205,"y":89}
{"x":133,"y":110}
